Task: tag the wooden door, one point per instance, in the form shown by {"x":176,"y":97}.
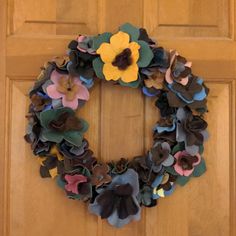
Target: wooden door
{"x":32,"y":32}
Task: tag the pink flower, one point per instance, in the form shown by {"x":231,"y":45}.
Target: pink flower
{"x":73,"y":181}
{"x":70,"y":89}
{"x":185,"y":163}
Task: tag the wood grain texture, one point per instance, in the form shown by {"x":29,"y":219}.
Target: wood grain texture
{"x":120,"y":118}
{"x":2,"y":112}
{"x":190,"y":18}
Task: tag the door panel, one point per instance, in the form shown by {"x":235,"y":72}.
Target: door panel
{"x":120,"y":119}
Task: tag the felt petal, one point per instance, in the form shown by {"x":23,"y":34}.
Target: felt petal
{"x":134,"y":47}
{"x":133,"y":84}
{"x":182,"y":180}
{"x":47,"y":116}
{"x":127,"y":207}
{"x":178,"y":169}
{"x":119,"y":42}
{"x":188,"y":172}
{"x":205,"y":134}
{"x":102,"y":38}
{"x":84,"y":125}
{"x":192,"y":150}
{"x":55,"y":76}
{"x":200,"y":96}
{"x":161,"y":129}
{"x":52,"y":92}
{"x":181,"y":114}
{"x":145,"y":54}
{"x":73,"y":181}
{"x":71,"y":104}
{"x":169,"y":192}
{"x":168,"y":78}
{"x":83,"y":93}
{"x":45,"y":85}
{"x":51,"y":136}
{"x":165,"y":146}
{"x":184,"y":81}
{"x":115,"y":221}
{"x":130,"y":74}
{"x":200,"y":169}
{"x":131,"y":30}
{"x":188,"y":64}
{"x":74,"y":137}
{"x":169,"y":161}
{"x":157,"y":168}
{"x":98,"y":67}
{"x":111,"y":72}
{"x":161,"y":193}
{"x":106,"y":52}
{"x":199,"y":159}
{"x":130,"y":177}
{"x":147,"y":93}
{"x":180,"y":134}
{"x":157,"y":181}
{"x":177,"y":155}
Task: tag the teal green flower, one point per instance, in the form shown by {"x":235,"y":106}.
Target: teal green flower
{"x":62,"y":124}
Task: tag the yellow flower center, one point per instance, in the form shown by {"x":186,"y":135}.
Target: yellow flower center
{"x":123,"y":59}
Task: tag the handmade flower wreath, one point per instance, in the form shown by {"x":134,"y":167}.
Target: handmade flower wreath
{"x":116,"y":190}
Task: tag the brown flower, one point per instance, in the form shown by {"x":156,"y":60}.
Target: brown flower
{"x":66,"y":122}
{"x":179,"y":69}
{"x":188,"y":91}
{"x":155,"y":79}
{"x":169,"y":137}
{"x":193,"y":125}
{"x":140,"y":165}
{"x":165,"y":122}
{"x":39,"y":102}
{"x":120,"y":166}
{"x":100,"y":175}
{"x":86,"y":160}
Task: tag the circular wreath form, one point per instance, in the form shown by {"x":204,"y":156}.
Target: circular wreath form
{"x":116,"y":190}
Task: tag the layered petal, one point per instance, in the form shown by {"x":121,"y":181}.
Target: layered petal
{"x":119,"y":41}
{"x":111,"y":72}
{"x":106,"y":52}
{"x":130,"y":74}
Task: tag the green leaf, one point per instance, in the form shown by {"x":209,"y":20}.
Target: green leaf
{"x":47,"y":116}
{"x":84,"y":124}
{"x":52,"y":136}
{"x":73,"y":137}
{"x":182,"y":180}
{"x":60,"y":182}
{"x":200,"y":169}
{"x":98,"y":66}
{"x":178,"y":147}
{"x":171,"y":170}
{"x":201,"y":149}
{"x":102,"y":38}
{"x":133,"y":84}
{"x":145,"y":54}
{"x":131,"y":30}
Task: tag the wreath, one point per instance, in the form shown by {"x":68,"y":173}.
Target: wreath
{"x":116,"y":190}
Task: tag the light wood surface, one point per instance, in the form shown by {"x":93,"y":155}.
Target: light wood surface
{"x":121,"y":119}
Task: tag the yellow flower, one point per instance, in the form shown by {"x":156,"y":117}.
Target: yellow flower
{"x":120,"y":58}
